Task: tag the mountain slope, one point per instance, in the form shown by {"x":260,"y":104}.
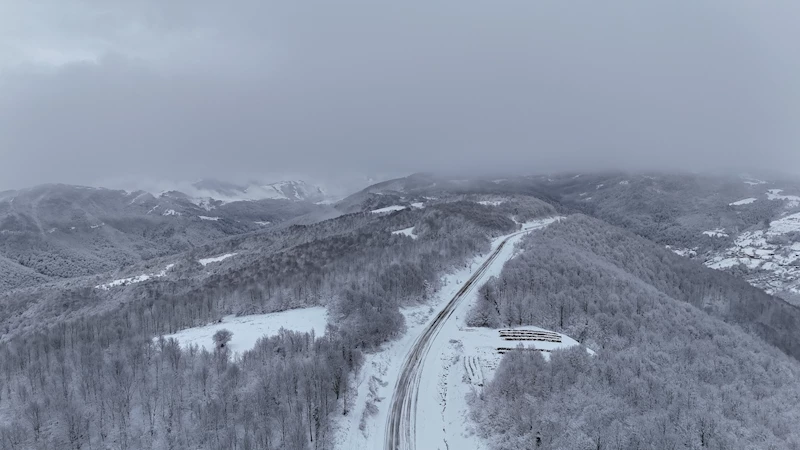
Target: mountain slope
{"x":62,"y":231}
{"x":293,"y":190}
{"x":669,"y":373}
{"x":740,"y":225}
{"x":16,"y":276}
{"x":625,"y":256}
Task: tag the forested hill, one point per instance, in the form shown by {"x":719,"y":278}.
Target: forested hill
{"x":670,"y":208}
{"x":685,"y":355}
{"x":583,"y":244}
{"x":56,"y":232}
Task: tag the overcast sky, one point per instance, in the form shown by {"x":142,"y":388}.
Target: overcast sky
{"x":99,"y":90}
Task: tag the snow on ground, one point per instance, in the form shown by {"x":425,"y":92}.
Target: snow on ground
{"x":785,"y":225}
{"x":203,"y":202}
{"x":491,"y":202}
{"x":248,"y":329}
{"x":134,"y":280}
{"x":406,"y":232}
{"x":262,"y":223}
{"x":388,"y":209}
{"x":138,"y":197}
{"x":754,"y":182}
{"x":213,"y":219}
{"x":727,"y":263}
{"x":624,"y":182}
{"x":163,"y":272}
{"x":776,"y":194}
{"x":468,"y":361}
{"x":442,"y":411}
{"x":773,"y":262}
{"x":685,"y":252}
{"x":719,"y":232}
{"x":744,"y":201}
{"x":207,"y":261}
{"x":418,"y":205}
{"x":171,"y":212}
{"x":445,"y":415}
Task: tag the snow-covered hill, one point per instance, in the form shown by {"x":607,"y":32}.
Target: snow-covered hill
{"x":224,"y":192}
{"x":745,"y":226}
{"x":58,"y":231}
{"x":768,"y":258}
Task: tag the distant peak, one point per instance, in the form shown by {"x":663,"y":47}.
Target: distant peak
{"x":293,"y":190}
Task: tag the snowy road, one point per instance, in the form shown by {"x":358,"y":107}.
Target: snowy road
{"x":401,"y":423}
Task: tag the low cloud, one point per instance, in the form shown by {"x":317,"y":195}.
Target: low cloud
{"x":97,"y":91}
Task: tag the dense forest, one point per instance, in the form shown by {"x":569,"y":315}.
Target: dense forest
{"x":682,"y":360}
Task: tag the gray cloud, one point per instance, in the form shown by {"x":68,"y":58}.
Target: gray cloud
{"x":93,"y":91}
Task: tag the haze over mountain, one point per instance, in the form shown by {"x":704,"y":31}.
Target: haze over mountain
{"x":283,"y":190}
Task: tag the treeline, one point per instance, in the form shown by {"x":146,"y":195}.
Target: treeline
{"x":100,"y":384}
{"x":669,"y":371}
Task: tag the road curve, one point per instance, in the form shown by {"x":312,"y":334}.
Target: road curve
{"x":401,"y":421}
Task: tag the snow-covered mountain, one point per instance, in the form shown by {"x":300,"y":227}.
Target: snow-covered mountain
{"x":58,"y":231}
{"x":293,"y":190}
{"x":746,"y":226}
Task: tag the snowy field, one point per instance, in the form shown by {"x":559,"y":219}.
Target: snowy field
{"x":134,"y":280}
{"x":406,"y":232}
{"x":793,"y":201}
{"x":719,"y":232}
{"x":388,"y":209}
{"x":248,"y":329}
{"x":216,"y":259}
{"x":685,"y":252}
{"x":460,"y":359}
{"x":491,"y":202}
{"x":744,"y":201}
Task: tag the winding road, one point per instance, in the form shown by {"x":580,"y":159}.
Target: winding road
{"x":401,"y":421}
